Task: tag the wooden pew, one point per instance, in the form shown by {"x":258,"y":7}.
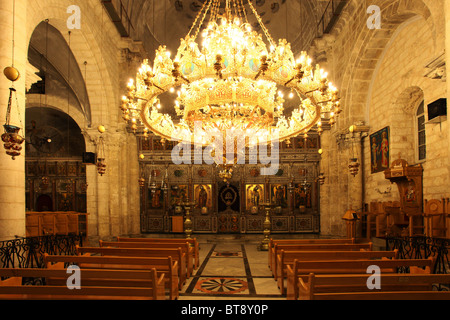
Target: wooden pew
{"x":285,"y":258}
{"x":166,"y":266}
{"x":273,"y":242}
{"x":397,"y":286}
{"x":152,"y":290}
{"x":316,"y":247}
{"x":176,"y":254}
{"x":193,"y":243}
{"x":304,"y":268}
{"x":144,"y":245}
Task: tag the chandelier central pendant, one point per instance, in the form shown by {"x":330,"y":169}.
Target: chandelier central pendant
{"x":226,"y":79}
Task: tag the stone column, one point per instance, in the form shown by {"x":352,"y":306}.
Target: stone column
{"x":12,"y":172}
{"x":447,"y":61}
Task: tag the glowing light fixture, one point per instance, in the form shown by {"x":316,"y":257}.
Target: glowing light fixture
{"x":230,"y":80}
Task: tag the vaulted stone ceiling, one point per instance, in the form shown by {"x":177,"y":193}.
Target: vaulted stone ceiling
{"x":164,"y":22}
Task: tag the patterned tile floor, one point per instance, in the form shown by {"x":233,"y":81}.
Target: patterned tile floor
{"x":231,"y":271}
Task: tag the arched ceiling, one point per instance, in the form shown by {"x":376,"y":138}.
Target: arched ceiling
{"x":164,"y":22}
{"x":49,"y":52}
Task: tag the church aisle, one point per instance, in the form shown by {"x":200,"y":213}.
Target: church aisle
{"x":230,"y":271}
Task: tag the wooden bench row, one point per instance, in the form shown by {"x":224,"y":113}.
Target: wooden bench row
{"x":354,"y":287}
{"x":169,"y":261}
{"x":185,"y":248}
{"x":96,"y":285}
{"x":274,"y":245}
{"x":287,"y":258}
{"x":299,"y":272}
{"x":164,"y":266}
{"x":328,"y":269}
{"x":193,"y":243}
{"x":175,"y":253}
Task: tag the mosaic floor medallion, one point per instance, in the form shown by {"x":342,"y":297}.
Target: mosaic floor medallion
{"x":222,"y":286}
{"x":226,"y":254}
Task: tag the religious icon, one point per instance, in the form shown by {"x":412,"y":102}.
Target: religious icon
{"x":178,"y":195}
{"x":156,"y":198}
{"x":255,"y":196}
{"x":302,"y":197}
{"x":202,"y":196}
{"x":410,"y":192}
{"x":278,"y":195}
{"x":379,"y":147}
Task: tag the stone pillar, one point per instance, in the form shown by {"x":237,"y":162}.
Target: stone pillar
{"x":113,"y":199}
{"x":12,"y":172}
{"x":447,"y":61}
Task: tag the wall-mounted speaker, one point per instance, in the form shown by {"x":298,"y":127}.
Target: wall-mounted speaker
{"x":437,"y":109}
{"x":89,"y":158}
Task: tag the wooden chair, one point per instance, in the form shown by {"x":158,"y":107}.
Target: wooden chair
{"x":436,"y":218}
{"x":48,"y":223}
{"x":62,"y":224}
{"x":73,"y":227}
{"x":33,"y":225}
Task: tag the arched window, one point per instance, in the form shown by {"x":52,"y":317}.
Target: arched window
{"x":421,"y":133}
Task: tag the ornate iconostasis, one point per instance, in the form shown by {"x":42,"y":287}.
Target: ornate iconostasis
{"x":236,"y":205}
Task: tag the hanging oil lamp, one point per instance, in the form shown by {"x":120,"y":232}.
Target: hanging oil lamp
{"x":354,"y":166}
{"x":101,"y":161}
{"x":321,"y":178}
{"x":12,"y":140}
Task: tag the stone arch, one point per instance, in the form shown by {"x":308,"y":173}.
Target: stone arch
{"x":87,"y":44}
{"x":66,"y":137}
{"x":369,"y":47}
{"x":51,"y":56}
{"x":35,"y":100}
{"x":408,"y":101}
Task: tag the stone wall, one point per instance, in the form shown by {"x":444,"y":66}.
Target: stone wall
{"x":378,"y":72}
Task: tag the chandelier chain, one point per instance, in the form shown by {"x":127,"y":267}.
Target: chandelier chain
{"x":266,"y":32}
{"x":237,"y":10}
{"x":203,"y":19}
{"x":215,"y":11}
{"x":242,"y":9}
{"x":196,"y":18}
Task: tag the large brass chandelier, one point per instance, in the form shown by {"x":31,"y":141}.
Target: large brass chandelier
{"x":227,"y":79}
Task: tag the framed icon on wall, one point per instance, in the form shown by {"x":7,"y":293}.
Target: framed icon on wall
{"x":380,"y":150}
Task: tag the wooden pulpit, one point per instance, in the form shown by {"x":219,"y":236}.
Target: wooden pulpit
{"x":409,"y":214}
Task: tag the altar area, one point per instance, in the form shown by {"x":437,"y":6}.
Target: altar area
{"x":235,"y":206}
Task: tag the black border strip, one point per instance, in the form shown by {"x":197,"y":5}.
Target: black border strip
{"x":251,"y":284}
{"x":199,"y":272}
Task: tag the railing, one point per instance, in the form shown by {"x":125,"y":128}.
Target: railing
{"x":421,"y":247}
{"x":29,"y":252}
